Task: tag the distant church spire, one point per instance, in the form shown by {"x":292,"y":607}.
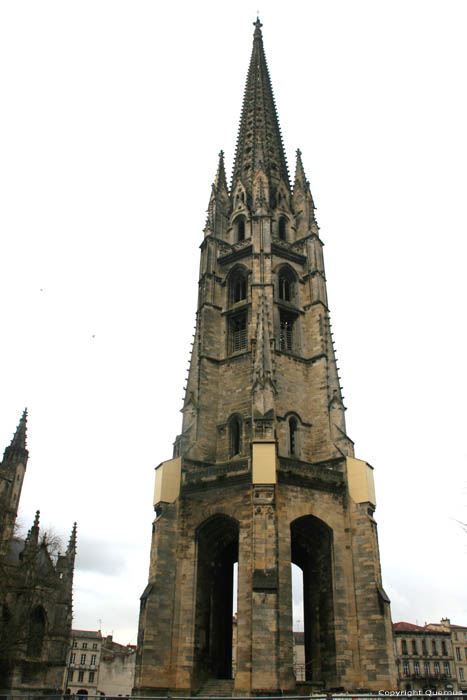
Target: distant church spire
{"x":17,"y":446}
{"x":259,"y":144}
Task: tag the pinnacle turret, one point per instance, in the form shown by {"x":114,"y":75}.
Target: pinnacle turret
{"x":220,"y":182}
{"x":71,"y":549}
{"x":303,"y":200}
{"x":259,"y":144}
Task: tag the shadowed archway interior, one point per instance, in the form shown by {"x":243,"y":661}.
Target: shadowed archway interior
{"x":217,"y":548}
{"x":311,"y":541}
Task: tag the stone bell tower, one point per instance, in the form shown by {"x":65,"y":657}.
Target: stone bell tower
{"x":263,"y":473}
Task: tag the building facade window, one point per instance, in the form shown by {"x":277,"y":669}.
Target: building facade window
{"x":73,"y":659}
{"x":94,"y":646}
{"x":424,"y":649}
{"x":447,"y":669}
{"x":414,"y":647}
{"x":436,"y":668}
{"x":458,"y":653}
{"x":444,"y":649}
{"x":426,"y":667}
{"x":404,"y":646}
{"x":93,"y":660}
{"x":85,"y":645}
{"x":406,"y":669}
{"x":83,"y":660}
{"x":461,"y":674}
{"x":287,"y":332}
{"x":91,"y":676}
{"x":80,"y":676}
{"x":433,"y":647}
{"x":75,"y":644}
{"x":416,"y":668}
{"x":70,"y":676}
{"x":238,"y":332}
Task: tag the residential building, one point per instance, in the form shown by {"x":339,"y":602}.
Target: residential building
{"x":83,"y":663}
{"x":425,"y":657}
{"x":458,"y":635}
{"x":263,"y":473}
{"x":99,"y":666}
{"x":36,"y":586}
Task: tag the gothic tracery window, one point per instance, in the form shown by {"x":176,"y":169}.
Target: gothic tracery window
{"x":238,"y":287}
{"x":37,"y":624}
{"x":286,"y":284}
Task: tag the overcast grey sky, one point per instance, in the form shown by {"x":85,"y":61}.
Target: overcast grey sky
{"x":113,"y":113}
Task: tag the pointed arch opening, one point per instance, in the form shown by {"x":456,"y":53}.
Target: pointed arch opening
{"x":239,"y":229}
{"x":282,"y":228}
{"x":293,"y":436}
{"x":37,"y":625}
{"x":311,"y":551}
{"x":217,"y":550}
{"x":286,"y":287}
{"x":238,"y":285}
{"x":235,"y":435}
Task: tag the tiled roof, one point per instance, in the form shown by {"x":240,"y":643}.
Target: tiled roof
{"x":86,"y":633}
{"x":408,"y":627}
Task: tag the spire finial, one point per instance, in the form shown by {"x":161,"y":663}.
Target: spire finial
{"x":257,"y":25}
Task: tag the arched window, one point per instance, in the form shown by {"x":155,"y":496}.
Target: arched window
{"x":36,"y":631}
{"x":293,"y":435}
{"x":238,"y":287}
{"x":286,"y":284}
{"x":235,"y":436}
{"x":239,"y":228}
{"x":283,"y":228}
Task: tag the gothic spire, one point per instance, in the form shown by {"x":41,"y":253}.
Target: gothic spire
{"x":17,"y":446}
{"x":32,"y":538}
{"x":220,"y":181}
{"x":71,"y":549}
{"x":259,"y":144}
{"x":218,"y":201}
{"x":303,"y":200}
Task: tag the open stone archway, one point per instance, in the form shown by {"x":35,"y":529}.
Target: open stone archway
{"x":217,"y":547}
{"x":311,"y":542}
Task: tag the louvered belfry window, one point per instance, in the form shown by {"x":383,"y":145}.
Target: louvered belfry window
{"x":286,"y":336}
{"x":238,"y":333}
